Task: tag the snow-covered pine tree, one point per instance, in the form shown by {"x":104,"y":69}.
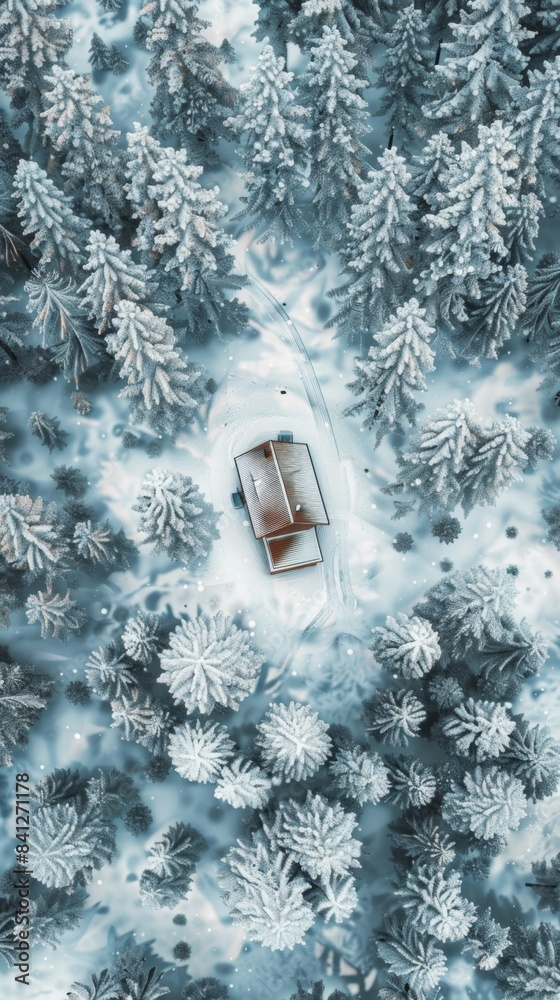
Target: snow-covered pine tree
{"x":48,"y":430}
{"x":210,"y":661}
{"x":492,"y":319}
{"x":394,"y":717}
{"x":243,"y":785}
{"x":192,"y":97}
{"x":395,"y":368}
{"x":200,"y":751}
{"x":487,"y":941}
{"x":489,"y":804}
{"x":337,"y":116}
{"x":530,"y":965}
{"x":405,"y":77}
{"x":32,"y":40}
{"x":58,"y":234}
{"x":112,"y":277}
{"x":24,"y":695}
{"x":80,"y":133}
{"x":175,"y":516}
{"x":360,"y":25}
{"x":116,"y":61}
{"x":192,"y":247}
{"x":274,"y":151}
{"x":70,"y":843}
{"x":164,"y":389}
{"x":293,"y":741}
{"x":454,"y":458}
{"x":379,"y":239}
{"x":533,"y":756}
{"x":4,"y":435}
{"x":55,"y":306}
{"x":143,"y":636}
{"x":29,"y":533}
{"x":470,"y":608}
{"x":502,"y":450}
{"x":98,"y":53}
{"x":142,"y":157}
{"x":264,"y":893}
{"x":407,"y":646}
{"x":465,"y":234}
{"x":317,"y":834}
{"x":480,"y":729}
{"x":53,"y":912}
{"x":421,"y":839}
{"x":411,"y":956}
{"x":523,"y":221}
{"x":483,"y":65}
{"x":542,"y":311}
{"x":273,"y":24}
{"x":412,"y":784}
{"x":435,"y":901}
{"x":536,"y":114}
{"x":429,"y":168}
{"x":360,"y":775}
{"x":58,"y":614}
{"x":171,"y":865}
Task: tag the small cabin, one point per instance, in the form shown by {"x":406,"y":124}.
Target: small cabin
{"x":284,"y":503}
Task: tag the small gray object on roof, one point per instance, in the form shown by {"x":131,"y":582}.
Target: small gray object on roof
{"x":284,"y":502}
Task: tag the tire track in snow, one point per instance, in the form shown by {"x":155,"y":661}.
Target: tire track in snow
{"x":340,"y":601}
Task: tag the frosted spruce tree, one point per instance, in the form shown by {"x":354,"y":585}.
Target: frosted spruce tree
{"x":530,"y":965}
{"x":164,"y":389}
{"x":24,"y":695}
{"x":489,"y":804}
{"x":59,"y":615}
{"x":394,"y":717}
{"x":191,"y":246}
{"x":523,"y":224}
{"x":428,"y":169}
{"x":200,"y":751}
{"x":112,"y":277}
{"x":58,"y":234}
{"x":210,"y":661}
{"x":395,"y":368}
{"x":455,"y":458}
{"x":192,"y":97}
{"x":542,"y":312}
{"x":29,"y":533}
{"x":436,"y":904}
{"x":337,"y":116}
{"x":483,"y":65}
{"x":264,"y":893}
{"x":358,"y":25}
{"x":405,"y":76}
{"x":273,"y":22}
{"x":380,"y":234}
{"x":465,"y":239}
{"x":80,"y":134}
{"x":142,"y":157}
{"x":411,"y":956}
{"x":32,"y":40}
{"x":274,"y":151}
{"x":243,"y":785}
{"x":536,"y":109}
{"x":57,"y":313}
{"x":293,"y":742}
{"x":175,"y":516}
{"x":172,"y":862}
{"x":493,"y":319}
{"x":407,"y":646}
{"x":48,"y":430}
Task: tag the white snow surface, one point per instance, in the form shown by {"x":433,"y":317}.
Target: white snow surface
{"x":285,"y":372}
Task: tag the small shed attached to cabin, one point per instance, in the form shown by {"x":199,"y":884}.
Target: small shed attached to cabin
{"x":284,"y":502}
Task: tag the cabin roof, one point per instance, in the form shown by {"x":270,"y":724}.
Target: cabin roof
{"x":280,"y":488}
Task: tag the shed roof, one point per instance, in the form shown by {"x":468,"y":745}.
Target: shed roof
{"x":293,"y":551}
{"x":280,"y":488}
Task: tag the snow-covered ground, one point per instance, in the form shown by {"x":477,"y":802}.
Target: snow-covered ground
{"x":284,"y":372}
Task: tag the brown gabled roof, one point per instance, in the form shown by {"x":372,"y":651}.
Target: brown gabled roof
{"x":280,"y":487}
